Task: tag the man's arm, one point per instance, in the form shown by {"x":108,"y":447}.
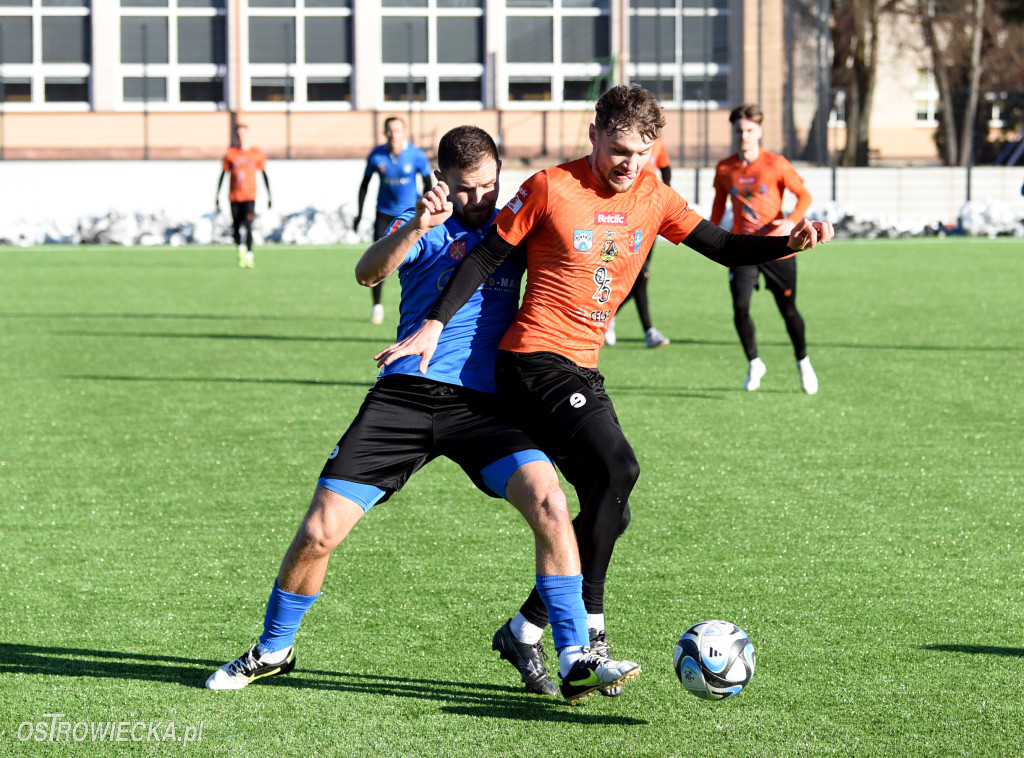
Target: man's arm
{"x":803,"y":199}
{"x":718,"y":206}
{"x":362,"y":199}
{"x":666,"y":174}
{"x":216,"y":198}
{"x":266,"y":183}
{"x":386,"y":254}
{"x":729,"y":249}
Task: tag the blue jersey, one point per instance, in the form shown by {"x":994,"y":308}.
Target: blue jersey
{"x":397,"y":175}
{"x":468,"y":346}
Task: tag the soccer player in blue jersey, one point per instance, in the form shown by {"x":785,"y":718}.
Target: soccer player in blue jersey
{"x":397,"y":163}
{"x":408,"y":419}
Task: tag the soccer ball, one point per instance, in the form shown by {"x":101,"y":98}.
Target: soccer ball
{"x":714,"y":660}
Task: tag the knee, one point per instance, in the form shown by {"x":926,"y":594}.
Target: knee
{"x":623,"y":470}
{"x":549,"y":513}
{"x":624,"y":521}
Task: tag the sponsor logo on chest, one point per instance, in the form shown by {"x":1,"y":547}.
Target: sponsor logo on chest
{"x":610,"y":218}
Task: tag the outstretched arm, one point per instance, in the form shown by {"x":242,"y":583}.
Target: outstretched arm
{"x":730,"y":249}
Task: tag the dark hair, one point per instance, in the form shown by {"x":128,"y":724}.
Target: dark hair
{"x":465,"y":147}
{"x":632,"y":107}
{"x":748,"y":111}
{"x":389,"y":119}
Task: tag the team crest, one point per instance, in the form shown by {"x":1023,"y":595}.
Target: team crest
{"x":608,"y":250}
{"x":638,"y":239}
{"x":583,"y":239}
{"x":457,"y":250}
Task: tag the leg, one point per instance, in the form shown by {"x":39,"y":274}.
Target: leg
{"x":534,"y":490}
{"x":781,"y":279}
{"x":742,"y":281}
{"x":381,"y":226}
{"x":328,"y":521}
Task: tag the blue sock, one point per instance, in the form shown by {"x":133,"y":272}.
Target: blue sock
{"x":284,"y":614}
{"x":563,"y":596}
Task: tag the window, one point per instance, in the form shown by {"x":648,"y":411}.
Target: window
{"x":173,"y":53}
{"x":45,"y":50}
{"x":680,"y":50}
{"x":555,"y":51}
{"x":439,"y":44}
{"x":926,"y":98}
{"x":307,"y":45}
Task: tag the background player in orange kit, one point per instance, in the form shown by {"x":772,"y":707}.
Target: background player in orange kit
{"x":587,"y":225}
{"x":755,"y":180}
{"x":652,"y":337}
{"x":242,"y":162}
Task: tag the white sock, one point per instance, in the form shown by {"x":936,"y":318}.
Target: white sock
{"x":595,"y":621}
{"x":241,"y":248}
{"x":524,"y":631}
{"x":249,"y":255}
{"x":568,"y":656}
{"x":278,"y":656}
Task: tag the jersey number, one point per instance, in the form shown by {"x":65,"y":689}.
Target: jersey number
{"x":604,"y":285}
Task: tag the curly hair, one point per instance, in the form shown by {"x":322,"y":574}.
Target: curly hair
{"x":632,"y":107}
{"x":747,"y":111}
{"x":465,"y":147}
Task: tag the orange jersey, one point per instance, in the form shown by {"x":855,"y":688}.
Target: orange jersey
{"x":243,"y":165}
{"x":659,"y":157}
{"x":756,"y":191}
{"x":585,"y":246}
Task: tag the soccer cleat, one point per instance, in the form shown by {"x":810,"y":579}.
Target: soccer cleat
{"x":599,"y":644}
{"x":528,"y":660}
{"x":377,"y":314}
{"x":241,"y":258}
{"x":754,"y":373}
{"x":656,"y":338}
{"x":594,"y":672}
{"x":247,"y":668}
{"x":808,"y":379}
{"x":609,"y":335}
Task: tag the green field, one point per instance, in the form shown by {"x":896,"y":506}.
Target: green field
{"x":164,"y":415}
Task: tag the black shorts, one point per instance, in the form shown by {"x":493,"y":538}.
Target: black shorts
{"x":240,"y":211}
{"x":381,"y":224}
{"x":552,"y":397}
{"x":405,"y":422}
{"x":779,"y":276}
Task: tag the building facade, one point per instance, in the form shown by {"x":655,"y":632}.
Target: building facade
{"x":316,"y":78}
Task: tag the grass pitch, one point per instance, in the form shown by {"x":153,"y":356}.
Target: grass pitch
{"x":163,"y":417}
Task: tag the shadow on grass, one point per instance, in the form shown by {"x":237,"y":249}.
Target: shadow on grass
{"x":1010,"y":652}
{"x":381,"y":340}
{"x":461,"y":698}
{"x":639,"y":342}
{"x":365,"y":384}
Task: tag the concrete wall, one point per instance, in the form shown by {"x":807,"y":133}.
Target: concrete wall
{"x":63,"y":191}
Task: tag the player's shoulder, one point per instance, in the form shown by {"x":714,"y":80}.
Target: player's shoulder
{"x":728,"y":163}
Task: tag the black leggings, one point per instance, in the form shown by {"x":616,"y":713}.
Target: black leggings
{"x":742,"y":282}
{"x":242,"y":214}
{"x":590,"y":448}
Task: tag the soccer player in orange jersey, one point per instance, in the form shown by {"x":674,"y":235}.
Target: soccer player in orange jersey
{"x":587,"y":225}
{"x":755,"y":180}
{"x":243,"y":162}
{"x":659,"y":162}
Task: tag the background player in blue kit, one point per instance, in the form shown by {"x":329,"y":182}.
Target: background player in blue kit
{"x":397,"y":163}
{"x":409,"y":419}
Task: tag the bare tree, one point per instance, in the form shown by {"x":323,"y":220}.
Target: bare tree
{"x":855,"y":65}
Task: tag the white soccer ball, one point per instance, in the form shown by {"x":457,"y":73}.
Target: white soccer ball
{"x":714,"y":660}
